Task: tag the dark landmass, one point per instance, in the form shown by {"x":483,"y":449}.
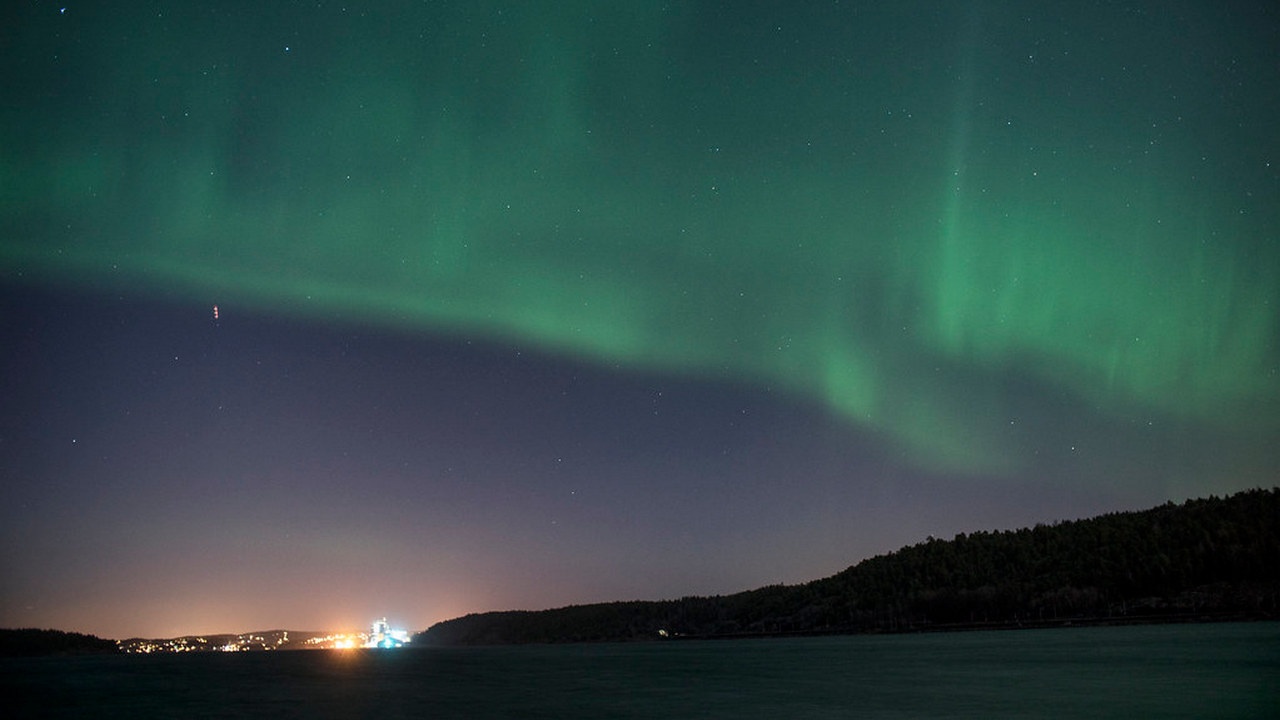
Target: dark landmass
{"x":30,"y":642}
{"x":1203,"y":560}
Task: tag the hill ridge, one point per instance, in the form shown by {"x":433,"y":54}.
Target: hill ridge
{"x":1210,"y":558}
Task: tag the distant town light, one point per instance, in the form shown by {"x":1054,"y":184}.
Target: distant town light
{"x":381,"y":635}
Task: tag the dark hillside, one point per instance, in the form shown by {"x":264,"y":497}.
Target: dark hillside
{"x":28,"y":642}
{"x":1215,"y":558}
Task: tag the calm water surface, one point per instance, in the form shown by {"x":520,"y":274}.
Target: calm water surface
{"x":1172,"y":671}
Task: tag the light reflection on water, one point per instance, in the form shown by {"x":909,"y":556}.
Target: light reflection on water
{"x":1191,"y":671}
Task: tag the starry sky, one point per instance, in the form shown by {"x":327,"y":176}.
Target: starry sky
{"x":316,"y":312}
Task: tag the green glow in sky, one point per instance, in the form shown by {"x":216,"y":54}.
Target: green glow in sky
{"x":885,"y":224}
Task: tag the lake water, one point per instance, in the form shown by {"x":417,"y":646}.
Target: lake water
{"x":1170,"y":671}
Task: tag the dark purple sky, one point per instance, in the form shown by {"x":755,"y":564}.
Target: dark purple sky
{"x":168,"y":473}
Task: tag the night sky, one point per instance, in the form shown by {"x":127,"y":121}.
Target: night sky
{"x":314,"y":312}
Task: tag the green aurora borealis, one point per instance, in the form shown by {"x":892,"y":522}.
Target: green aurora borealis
{"x":896,"y":224}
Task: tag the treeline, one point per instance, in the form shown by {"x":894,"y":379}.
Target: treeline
{"x":27,"y":642}
{"x":1204,"y":559}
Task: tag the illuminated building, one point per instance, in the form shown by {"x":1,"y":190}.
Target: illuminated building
{"x":382,"y":636}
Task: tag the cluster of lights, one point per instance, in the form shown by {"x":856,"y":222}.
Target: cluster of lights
{"x":174,"y":645}
{"x":381,"y":636}
{"x":255,"y":642}
{"x":220,"y":643}
{"x":337,"y":641}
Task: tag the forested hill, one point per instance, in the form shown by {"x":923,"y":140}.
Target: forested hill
{"x":30,"y":641}
{"x":1203,"y":559}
